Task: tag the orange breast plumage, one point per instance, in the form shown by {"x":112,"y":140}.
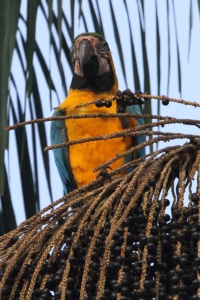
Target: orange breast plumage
{"x":85,"y":157}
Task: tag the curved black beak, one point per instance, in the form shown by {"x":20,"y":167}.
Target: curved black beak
{"x":88,"y":59}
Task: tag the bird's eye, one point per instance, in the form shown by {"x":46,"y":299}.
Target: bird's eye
{"x":74,"y":52}
{"x":105,"y":45}
{"x":74,"y":57}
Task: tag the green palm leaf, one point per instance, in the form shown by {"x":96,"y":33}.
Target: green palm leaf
{"x":62,"y":26}
{"x":9,"y":16}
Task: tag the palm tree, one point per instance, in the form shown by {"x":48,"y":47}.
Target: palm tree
{"x":128,"y":241}
{"x":22,"y":96}
{"x":27,"y":61}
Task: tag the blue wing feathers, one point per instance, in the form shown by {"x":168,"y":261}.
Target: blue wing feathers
{"x":61,"y":156}
{"x":141,"y":138}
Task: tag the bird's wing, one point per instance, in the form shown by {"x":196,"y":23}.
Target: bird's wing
{"x":140,"y":138}
{"x":61,"y":156}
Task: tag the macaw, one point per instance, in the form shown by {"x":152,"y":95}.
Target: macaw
{"x":94,"y":78}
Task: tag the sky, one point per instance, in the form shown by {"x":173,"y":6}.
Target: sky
{"x":190,"y":70}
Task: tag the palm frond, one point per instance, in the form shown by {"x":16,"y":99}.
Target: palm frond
{"x":9,"y":15}
{"x":124,"y":239}
{"x":18,"y":36}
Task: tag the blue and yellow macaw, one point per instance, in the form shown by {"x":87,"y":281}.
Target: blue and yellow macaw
{"x":94,"y":78}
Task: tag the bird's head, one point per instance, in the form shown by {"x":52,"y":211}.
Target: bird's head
{"x":93,"y":64}
{"x":91,"y":55}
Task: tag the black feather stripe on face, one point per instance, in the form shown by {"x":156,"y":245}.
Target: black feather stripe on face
{"x":99,"y":84}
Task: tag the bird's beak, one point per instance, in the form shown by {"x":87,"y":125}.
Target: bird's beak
{"x":88,"y":60}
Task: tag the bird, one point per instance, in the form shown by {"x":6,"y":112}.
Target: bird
{"x":94,"y":77}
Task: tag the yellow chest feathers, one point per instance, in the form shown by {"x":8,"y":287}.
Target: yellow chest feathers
{"x":86,"y":156}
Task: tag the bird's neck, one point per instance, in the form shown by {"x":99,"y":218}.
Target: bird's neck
{"x":106,"y":83}
{"x":77,"y":97}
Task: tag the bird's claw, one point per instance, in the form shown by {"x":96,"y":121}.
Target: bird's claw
{"x":126,"y":98}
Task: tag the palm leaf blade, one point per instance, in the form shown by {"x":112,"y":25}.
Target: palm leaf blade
{"x":9,"y":14}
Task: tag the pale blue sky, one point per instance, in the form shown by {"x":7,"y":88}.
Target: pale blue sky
{"x":190,"y":67}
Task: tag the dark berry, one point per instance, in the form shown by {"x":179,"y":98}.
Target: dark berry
{"x":195,"y":198}
{"x":108,"y":103}
{"x":99,"y":103}
{"x":165,"y":101}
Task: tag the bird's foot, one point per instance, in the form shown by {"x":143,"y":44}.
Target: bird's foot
{"x":126,"y":98}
